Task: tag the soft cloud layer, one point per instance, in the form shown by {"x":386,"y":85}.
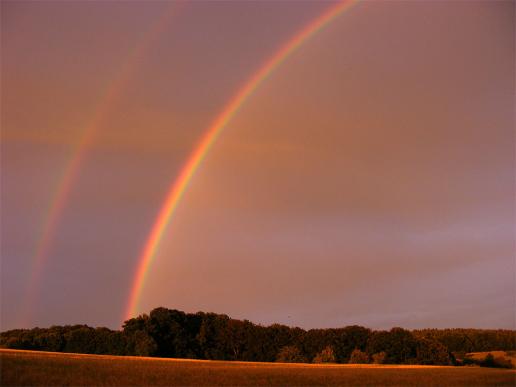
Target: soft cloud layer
{"x":369,"y":181}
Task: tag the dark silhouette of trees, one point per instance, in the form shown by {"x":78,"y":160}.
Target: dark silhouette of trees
{"x":168,"y":329}
{"x":471,"y":340}
{"x":431,"y":352}
{"x":378,"y":358}
{"x":290,"y":354}
{"x":358,"y":357}
{"x":173,"y":333}
{"x":350,"y":338}
{"x":327,"y":355}
{"x":141,"y":344}
{"x":399,"y":345}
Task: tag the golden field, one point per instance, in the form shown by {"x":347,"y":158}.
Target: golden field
{"x":64,"y":369}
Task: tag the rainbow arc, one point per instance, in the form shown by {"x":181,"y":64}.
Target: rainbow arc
{"x":71,"y":170}
{"x":180,"y":184}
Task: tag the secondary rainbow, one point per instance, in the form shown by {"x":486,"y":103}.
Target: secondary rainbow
{"x":71,"y":170}
{"x":180,"y":184}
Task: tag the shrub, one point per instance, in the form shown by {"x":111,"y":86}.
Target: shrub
{"x":399,"y":345}
{"x":358,"y":357}
{"x":469,"y":361}
{"x":431,"y":352}
{"x":290,"y":354}
{"x":327,"y":355}
{"x":488,"y":361}
{"x":503,"y":363}
{"x":379,"y":358}
{"x":141,"y":344}
{"x":498,"y":362}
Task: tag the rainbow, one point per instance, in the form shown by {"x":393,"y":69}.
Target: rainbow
{"x":71,"y":170}
{"x":180,"y":184}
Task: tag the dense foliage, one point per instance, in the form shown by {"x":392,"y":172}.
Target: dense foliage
{"x":172,"y":333}
{"x":471,"y":340}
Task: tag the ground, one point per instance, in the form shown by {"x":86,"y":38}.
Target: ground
{"x":47,"y":368}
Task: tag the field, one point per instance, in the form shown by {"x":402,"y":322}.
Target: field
{"x":46,"y":368}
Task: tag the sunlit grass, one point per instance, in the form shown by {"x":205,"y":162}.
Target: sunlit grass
{"x":44,"y":368}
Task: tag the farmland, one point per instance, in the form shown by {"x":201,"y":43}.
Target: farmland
{"x":47,"y":368}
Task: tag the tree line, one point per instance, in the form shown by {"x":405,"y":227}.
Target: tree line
{"x":173,"y":333}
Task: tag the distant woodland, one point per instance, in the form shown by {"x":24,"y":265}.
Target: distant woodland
{"x":172,"y":333}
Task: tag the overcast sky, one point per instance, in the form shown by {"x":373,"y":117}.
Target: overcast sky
{"x":369,"y":180}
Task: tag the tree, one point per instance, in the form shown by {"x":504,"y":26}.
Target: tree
{"x":348,"y":339}
{"x":432,"y":352}
{"x":290,"y":354}
{"x":172,"y":333}
{"x":80,"y":339}
{"x":327,"y":355}
{"x":141,"y":344}
{"x":213,"y":337}
{"x":312,"y":342}
{"x":379,"y":358}
{"x":358,"y":357}
{"x":167,"y":328}
{"x":399,"y":345}
{"x":236,"y":338}
{"x":132,"y":325}
{"x":489,"y":361}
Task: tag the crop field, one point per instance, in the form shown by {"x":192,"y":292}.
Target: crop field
{"x":47,"y":368}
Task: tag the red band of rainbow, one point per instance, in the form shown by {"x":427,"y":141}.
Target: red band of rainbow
{"x":77,"y":155}
{"x":180,"y":184}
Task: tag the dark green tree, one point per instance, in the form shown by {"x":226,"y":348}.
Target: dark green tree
{"x":290,"y":354}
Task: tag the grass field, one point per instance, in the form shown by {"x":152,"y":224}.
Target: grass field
{"x":45,"y":368}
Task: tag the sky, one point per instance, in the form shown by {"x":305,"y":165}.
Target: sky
{"x":369,"y":180}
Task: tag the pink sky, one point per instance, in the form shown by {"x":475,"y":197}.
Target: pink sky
{"x":369,"y":180}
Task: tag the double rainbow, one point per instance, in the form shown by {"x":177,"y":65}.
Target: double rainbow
{"x":72,"y":168}
{"x":180,"y":184}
